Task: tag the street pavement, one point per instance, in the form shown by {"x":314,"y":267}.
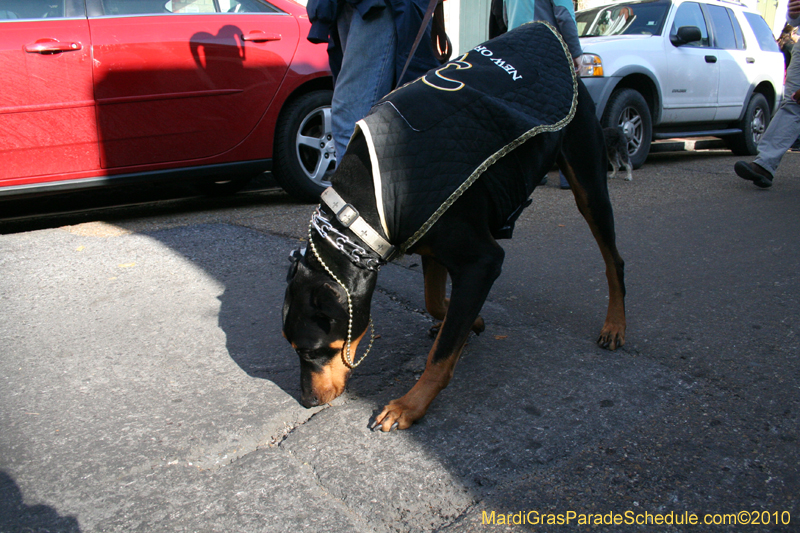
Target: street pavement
{"x":145,"y":385}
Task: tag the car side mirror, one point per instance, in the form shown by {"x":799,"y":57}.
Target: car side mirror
{"x":685,"y":35}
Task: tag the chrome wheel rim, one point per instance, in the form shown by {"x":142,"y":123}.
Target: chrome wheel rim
{"x":314,"y":146}
{"x":759,"y":124}
{"x":633,"y":126}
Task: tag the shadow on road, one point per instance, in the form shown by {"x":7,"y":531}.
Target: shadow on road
{"x":15,"y":515}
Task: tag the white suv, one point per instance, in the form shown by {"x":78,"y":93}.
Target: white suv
{"x":681,"y":68}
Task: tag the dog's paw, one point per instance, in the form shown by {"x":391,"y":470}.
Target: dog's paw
{"x":611,"y":338}
{"x":397,"y":415}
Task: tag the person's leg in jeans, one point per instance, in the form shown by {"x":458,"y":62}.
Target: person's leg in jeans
{"x":785,"y":126}
{"x":367,"y":73}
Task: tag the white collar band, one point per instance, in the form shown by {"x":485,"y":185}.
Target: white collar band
{"x":349,"y":217}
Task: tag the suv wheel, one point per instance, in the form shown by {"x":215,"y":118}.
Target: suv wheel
{"x":753,"y":125}
{"x":304,"y":151}
{"x":627,"y":108}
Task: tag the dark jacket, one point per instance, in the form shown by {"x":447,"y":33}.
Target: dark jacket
{"x":407,"y":14}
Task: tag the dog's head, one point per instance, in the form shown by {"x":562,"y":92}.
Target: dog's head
{"x":316,"y":320}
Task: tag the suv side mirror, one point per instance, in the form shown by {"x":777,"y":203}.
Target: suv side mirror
{"x":685,"y":35}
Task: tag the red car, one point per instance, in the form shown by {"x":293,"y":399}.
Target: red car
{"x":96,"y":92}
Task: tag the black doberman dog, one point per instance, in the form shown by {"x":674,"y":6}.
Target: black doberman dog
{"x":328,"y":298}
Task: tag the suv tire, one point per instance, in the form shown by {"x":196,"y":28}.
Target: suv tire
{"x":304,"y":156}
{"x":628,"y":109}
{"x":753,"y":125}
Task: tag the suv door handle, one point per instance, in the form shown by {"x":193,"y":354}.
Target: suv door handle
{"x":750,"y":60}
{"x":261,"y":37}
{"x":51,"y":46}
{"x":711,"y":59}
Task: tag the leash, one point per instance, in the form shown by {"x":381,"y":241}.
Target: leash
{"x":425,"y":20}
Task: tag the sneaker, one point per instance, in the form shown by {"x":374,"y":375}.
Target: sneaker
{"x":754,"y":173}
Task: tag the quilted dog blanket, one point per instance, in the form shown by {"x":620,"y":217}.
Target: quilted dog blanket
{"x":432,"y":138}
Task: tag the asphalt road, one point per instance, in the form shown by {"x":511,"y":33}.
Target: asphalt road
{"x":145,"y":386}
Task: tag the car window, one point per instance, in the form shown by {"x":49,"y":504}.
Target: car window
{"x":31,"y":9}
{"x":146,"y":7}
{"x":622,"y":19}
{"x":245,"y":6}
{"x":135,"y":7}
{"x":763,"y":34}
{"x":723,"y":29}
{"x":690,"y":14}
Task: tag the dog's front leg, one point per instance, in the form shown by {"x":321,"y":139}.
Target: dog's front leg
{"x":436,"y":300}
{"x":471,"y":285}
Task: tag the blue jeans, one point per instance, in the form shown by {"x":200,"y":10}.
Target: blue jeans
{"x":367,"y":73}
{"x":784,"y":128}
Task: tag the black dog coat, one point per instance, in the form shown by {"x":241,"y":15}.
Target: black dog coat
{"x":432,"y":138}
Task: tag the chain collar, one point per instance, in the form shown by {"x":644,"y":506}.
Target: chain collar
{"x":347,"y":357}
{"x":358,"y":255}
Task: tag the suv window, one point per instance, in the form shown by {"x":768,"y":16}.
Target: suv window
{"x":31,"y":9}
{"x":763,"y":34}
{"x":148,"y":7}
{"x":723,"y":28}
{"x":690,"y":14}
{"x":740,"y":42}
{"x":623,"y":19}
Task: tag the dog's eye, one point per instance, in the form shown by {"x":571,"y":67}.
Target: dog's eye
{"x":323,"y":322}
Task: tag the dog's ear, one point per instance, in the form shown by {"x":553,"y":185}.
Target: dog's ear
{"x":295,"y":259}
{"x":331,"y":301}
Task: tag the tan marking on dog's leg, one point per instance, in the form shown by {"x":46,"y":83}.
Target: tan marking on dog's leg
{"x":414,"y":404}
{"x":612,"y":335}
{"x":329,"y":383}
{"x":436,"y":301}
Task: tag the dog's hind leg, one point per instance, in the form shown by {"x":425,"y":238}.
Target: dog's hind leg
{"x":628,"y":169}
{"x":436,"y":300}
{"x":614,"y":167}
{"x":583,"y":162}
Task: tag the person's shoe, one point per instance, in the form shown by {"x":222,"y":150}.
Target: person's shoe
{"x":562,"y":181}
{"x":543,"y":182}
{"x":754,"y":173}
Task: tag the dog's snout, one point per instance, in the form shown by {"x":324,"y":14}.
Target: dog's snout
{"x":309,"y":400}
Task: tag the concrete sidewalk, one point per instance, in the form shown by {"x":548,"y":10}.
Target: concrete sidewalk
{"x":146,"y":386}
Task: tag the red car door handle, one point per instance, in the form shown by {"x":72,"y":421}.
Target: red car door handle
{"x":51,"y":46}
{"x":261,"y":37}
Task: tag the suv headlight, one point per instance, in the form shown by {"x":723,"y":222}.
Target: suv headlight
{"x":590,"y":66}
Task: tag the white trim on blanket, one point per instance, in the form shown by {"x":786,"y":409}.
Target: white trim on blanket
{"x":376,"y":174}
